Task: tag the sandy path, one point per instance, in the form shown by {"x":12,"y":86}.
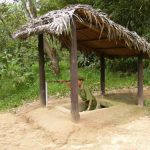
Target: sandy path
{"x":131,"y":136}
{"x":17,"y":134}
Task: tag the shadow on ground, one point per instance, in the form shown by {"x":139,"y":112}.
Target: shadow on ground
{"x":128,"y":98}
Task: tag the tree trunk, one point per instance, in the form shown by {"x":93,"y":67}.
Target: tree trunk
{"x":31,"y":13}
{"x":51,"y":52}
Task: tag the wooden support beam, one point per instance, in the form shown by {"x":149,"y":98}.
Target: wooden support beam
{"x":103,"y":43}
{"x":140,"y":80}
{"x":117,"y":52}
{"x":102,"y":64}
{"x":74,"y":76}
{"x":41,"y":70}
{"x":91,"y":40}
{"x":81,"y":28}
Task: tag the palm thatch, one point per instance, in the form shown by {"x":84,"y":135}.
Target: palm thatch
{"x":95,"y":31}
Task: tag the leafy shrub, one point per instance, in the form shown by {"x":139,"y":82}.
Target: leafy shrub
{"x":123,"y":64}
{"x":88,"y":60}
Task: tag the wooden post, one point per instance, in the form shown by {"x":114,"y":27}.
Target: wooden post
{"x":41,"y":70}
{"x":102,"y":64}
{"x":140,"y":80}
{"x":74,"y":76}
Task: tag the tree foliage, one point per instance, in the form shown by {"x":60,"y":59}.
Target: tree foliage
{"x":133,"y":14}
{"x":18,"y":57}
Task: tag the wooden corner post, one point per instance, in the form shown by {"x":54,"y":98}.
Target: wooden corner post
{"x":102,"y":65}
{"x":74,"y":75}
{"x":140,"y":80}
{"x":41,"y":70}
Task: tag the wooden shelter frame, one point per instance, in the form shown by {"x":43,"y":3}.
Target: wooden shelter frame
{"x":120,"y":42}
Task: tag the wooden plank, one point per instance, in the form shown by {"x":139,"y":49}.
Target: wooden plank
{"x":88,"y":33}
{"x":103,"y":43}
{"x":79,"y":26}
{"x":118,"y":51}
{"x":93,"y":27}
{"x":91,"y":40}
{"x":102,"y":64}
{"x":41,"y":70}
{"x":74,"y":76}
{"x":115,"y":52}
{"x":84,"y":35}
{"x":140,"y":80}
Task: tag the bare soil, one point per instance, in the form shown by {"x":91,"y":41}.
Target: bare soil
{"x":124,"y":126}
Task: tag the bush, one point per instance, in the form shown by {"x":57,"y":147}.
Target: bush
{"x":89,"y":60}
{"x":128,"y":65}
{"x":123,"y":65}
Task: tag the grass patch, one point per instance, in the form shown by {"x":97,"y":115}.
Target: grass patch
{"x":12,"y":97}
{"x":147,"y":105}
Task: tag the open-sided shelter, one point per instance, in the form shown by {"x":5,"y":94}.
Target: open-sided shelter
{"x":82,"y":27}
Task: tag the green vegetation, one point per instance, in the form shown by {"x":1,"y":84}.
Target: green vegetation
{"x":13,"y":95}
{"x":147,"y":105}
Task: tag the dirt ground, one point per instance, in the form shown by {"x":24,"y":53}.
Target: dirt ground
{"x":121,"y":127}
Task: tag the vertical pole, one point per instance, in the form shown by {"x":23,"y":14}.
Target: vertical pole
{"x":41,"y":70}
{"x":74,"y":76}
{"x":140,"y":80}
{"x":102,"y":64}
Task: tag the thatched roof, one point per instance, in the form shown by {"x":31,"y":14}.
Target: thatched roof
{"x":95,"y":31}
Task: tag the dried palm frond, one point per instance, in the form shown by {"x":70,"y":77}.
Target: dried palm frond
{"x":58,"y":22}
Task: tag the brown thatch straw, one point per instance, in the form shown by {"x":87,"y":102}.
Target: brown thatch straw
{"x":58,"y":22}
